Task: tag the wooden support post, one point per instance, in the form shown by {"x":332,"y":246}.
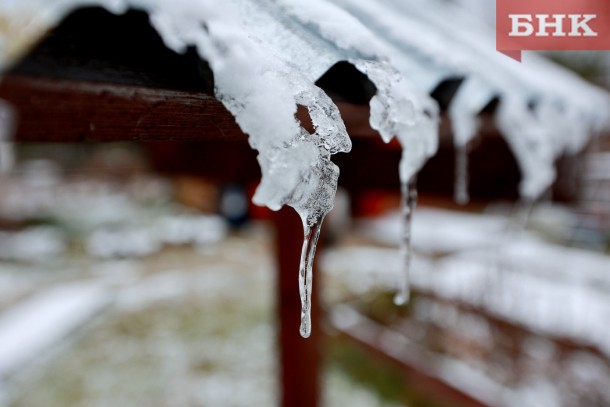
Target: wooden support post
{"x":299,"y":358}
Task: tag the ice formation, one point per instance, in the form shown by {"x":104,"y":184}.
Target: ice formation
{"x":398,"y":109}
{"x":7,"y":126}
{"x":561,"y":110}
{"x":266,"y":56}
{"x":409,"y":201}
{"x":414,"y":121}
{"x":262,"y":89}
{"x":465,"y":107}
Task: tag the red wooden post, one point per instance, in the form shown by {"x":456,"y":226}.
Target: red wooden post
{"x":299,"y":358}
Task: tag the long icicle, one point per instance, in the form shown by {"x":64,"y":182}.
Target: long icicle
{"x":460,"y":192}
{"x":409,"y":201}
{"x":310,"y":241}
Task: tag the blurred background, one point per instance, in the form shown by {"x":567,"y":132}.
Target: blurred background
{"x":130,"y":276}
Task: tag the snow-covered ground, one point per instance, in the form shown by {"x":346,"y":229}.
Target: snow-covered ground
{"x":487,"y":263}
{"x":29,"y":328}
{"x":183,"y":327}
{"x":187,"y":322}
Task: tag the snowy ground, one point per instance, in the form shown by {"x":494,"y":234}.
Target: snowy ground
{"x":186,"y":328}
{"x":489,"y":263}
{"x":113,"y":295}
{"x":180,"y":320}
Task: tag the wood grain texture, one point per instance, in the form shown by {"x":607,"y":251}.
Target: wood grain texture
{"x":61,"y":110}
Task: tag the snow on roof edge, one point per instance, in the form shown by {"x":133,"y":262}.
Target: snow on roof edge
{"x":296,"y":42}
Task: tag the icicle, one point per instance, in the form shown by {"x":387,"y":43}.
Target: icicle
{"x":526,"y":208}
{"x":7,"y":127}
{"x":310,"y":241}
{"x":532,"y":143}
{"x":397,"y":110}
{"x":471,"y":98}
{"x":460,"y":189}
{"x":409,"y":201}
{"x":261,"y":82}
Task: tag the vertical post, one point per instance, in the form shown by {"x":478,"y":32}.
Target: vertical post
{"x":299,"y":358}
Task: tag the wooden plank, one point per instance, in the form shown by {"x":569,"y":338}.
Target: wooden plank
{"x":66,"y":110}
{"x":419,"y":369}
{"x":60,"y":110}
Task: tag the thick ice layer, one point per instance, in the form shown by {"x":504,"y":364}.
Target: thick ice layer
{"x":296,"y":166}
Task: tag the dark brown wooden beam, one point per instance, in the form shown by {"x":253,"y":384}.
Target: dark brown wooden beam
{"x":66,"y":110}
{"x":60,"y":110}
